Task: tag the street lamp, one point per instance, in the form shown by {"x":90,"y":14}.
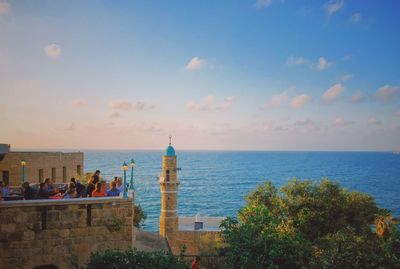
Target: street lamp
{"x":23,"y":163}
{"x":124,"y":168}
{"x":132,"y":166}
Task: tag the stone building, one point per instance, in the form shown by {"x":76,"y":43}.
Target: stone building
{"x":178,"y":231}
{"x":58,"y":166}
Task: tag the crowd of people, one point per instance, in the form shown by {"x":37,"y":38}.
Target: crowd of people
{"x":74,"y":189}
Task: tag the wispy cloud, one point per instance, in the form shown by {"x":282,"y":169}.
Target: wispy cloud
{"x":387,"y":92}
{"x":128,"y":106}
{"x":305,"y":122}
{"x":263,"y":3}
{"x":332,"y":93}
{"x":373,"y":121}
{"x":277,"y":100}
{"x":358,"y":97}
{"x":346,"y":77}
{"x":334,"y":6}
{"x":196,"y":63}
{"x":300,"y":101}
{"x":81,"y":102}
{"x":4,"y":8}
{"x":341,"y":122}
{"x":53,"y":50}
{"x":115,"y":115}
{"x":356,"y":17}
{"x":323,"y":63}
{"x":292,"y":60}
{"x":210,"y":104}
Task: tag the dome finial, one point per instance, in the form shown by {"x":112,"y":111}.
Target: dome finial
{"x":170,"y":139}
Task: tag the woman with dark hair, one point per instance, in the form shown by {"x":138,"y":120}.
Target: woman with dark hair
{"x":42,"y":193}
{"x":70,"y":192}
{"x":28,"y":191}
{"x":91,"y":186}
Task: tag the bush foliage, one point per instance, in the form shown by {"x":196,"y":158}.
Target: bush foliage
{"x":309,"y":224}
{"x":132,"y":258}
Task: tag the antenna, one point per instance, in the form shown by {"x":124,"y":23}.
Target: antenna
{"x":170,"y":139}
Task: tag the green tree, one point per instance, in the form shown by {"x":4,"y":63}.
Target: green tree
{"x":139,"y":216}
{"x":310,"y":224}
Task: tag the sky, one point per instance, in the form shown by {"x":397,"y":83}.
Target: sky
{"x":216,"y":75}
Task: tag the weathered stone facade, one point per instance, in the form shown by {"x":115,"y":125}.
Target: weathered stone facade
{"x":38,"y":232}
{"x":40,"y":165}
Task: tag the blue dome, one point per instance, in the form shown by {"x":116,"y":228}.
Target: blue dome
{"x":170,"y":151}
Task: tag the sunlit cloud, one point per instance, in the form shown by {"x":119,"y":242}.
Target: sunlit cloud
{"x":277,"y":100}
{"x":210,"y":104}
{"x":341,"y":122}
{"x":373,"y":121}
{"x":334,"y":6}
{"x":4,"y":8}
{"x":115,"y":115}
{"x":322,"y":63}
{"x":196,"y":63}
{"x":53,"y":50}
{"x":332,"y":93}
{"x":300,"y":101}
{"x":387,"y":92}
{"x":81,"y":102}
{"x":356,"y":17}
{"x":358,"y":97}
{"x":128,"y":106}
{"x":263,"y":3}
{"x":346,"y":77}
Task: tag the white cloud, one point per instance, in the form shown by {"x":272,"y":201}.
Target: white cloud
{"x":263,"y":3}
{"x":332,"y":93}
{"x":358,"y":97}
{"x":387,"y":92}
{"x":341,"y":122}
{"x":346,"y":77}
{"x":322,"y":63}
{"x":334,"y":6}
{"x":210,"y":104}
{"x":53,"y":50}
{"x":79,"y":103}
{"x":4,"y":8}
{"x":356,"y":17}
{"x":196,"y":63}
{"x":278,"y":100}
{"x":128,"y":106}
{"x":372,"y":121}
{"x":300,"y":101}
{"x":292,"y":60}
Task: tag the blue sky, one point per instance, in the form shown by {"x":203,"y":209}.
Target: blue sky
{"x":249,"y":75}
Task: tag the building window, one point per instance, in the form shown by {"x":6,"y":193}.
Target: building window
{"x":6,"y":177}
{"x":64,"y":174}
{"x":40,"y":175}
{"x":78,"y":170}
{"x":53,"y":175}
{"x":167,"y":175}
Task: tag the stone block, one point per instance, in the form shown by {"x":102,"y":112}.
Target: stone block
{"x":7,"y":228}
{"x":29,"y":235}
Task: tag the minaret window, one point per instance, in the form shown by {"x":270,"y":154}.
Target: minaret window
{"x":167,"y":175}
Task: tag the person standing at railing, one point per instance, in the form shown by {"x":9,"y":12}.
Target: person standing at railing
{"x":98,"y":192}
{"x":196,"y":263}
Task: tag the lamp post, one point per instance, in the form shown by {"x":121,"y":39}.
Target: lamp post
{"x":23,"y":163}
{"x":124,"y":168}
{"x":132,"y":166}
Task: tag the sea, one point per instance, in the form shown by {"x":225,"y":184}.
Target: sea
{"x":214,"y":183}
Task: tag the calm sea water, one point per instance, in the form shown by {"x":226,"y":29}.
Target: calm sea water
{"x":213,"y":183}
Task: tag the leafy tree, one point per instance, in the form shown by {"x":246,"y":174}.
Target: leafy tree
{"x":309,"y":224}
{"x":132,"y":258}
{"x":139,"y":216}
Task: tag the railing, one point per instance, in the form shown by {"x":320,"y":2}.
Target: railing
{"x":207,"y":261}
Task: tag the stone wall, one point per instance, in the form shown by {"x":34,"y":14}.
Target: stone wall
{"x":57,"y":165}
{"x":191,"y":239}
{"x":37,"y":232}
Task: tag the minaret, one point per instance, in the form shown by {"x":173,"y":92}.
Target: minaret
{"x":169,"y":184}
